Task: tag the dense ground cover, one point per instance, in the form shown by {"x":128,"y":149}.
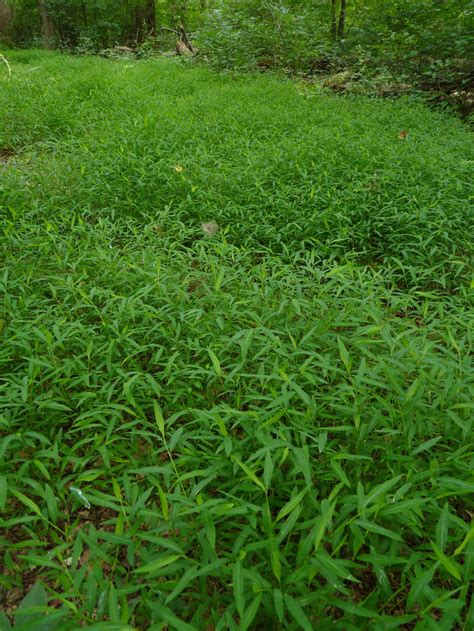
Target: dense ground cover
{"x":264,"y":428}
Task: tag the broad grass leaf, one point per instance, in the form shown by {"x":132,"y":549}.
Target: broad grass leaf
{"x":379,"y":530}
{"x":30,"y":607}
{"x":455,"y":485}
{"x":29,"y":503}
{"x":268,"y":470}
{"x":117,"y":490}
{"x":51,"y":502}
{"x":3,"y":492}
{"x":249,"y":473}
{"x":379,"y":490}
{"x":327,"y":511}
{"x":215,"y":362}
{"x":157,"y":564}
{"x":467,"y":539}
{"x":426,"y":445}
{"x":297,"y":613}
{"x":291,"y":505}
{"x":41,"y":561}
{"x":276,"y":562}
{"x":442,"y":527}
{"x":193,"y":573}
{"x":250,"y":613}
{"x":449,"y":565}
{"x":339,"y":471}
{"x":119,"y":523}
{"x":353,"y":609}
{"x":210,"y":529}
{"x":114,"y":609}
{"x":412,"y":390}
{"x":160,"y":421}
{"x":416,"y":595}
{"x":40,"y":466}
{"x":238,"y":587}
{"x":36,"y":597}
{"x":278,"y":602}
{"x":344,"y":354}
{"x":166,"y":615}
{"x":164,"y":503}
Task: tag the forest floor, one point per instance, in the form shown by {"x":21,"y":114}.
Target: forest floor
{"x":235,"y":367}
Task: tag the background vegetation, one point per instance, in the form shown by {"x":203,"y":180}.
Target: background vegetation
{"x":383,"y":46}
{"x":267,"y":427}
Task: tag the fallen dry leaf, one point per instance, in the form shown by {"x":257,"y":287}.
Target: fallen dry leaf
{"x":403,"y":135}
{"x":210,"y":227}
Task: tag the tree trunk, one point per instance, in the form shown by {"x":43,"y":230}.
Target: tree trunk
{"x":150,"y":17}
{"x":6,"y":16}
{"x":47,"y":26}
{"x":333,"y":20}
{"x":341,"y":26}
{"x":84,"y":13}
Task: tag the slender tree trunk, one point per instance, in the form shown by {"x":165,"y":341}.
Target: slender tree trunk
{"x":6,"y":16}
{"x":84,"y":13}
{"x":47,"y":26}
{"x":150,"y":17}
{"x":341,"y":26}
{"x":333,"y":20}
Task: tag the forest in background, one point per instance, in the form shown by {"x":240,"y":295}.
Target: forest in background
{"x":386,"y":46}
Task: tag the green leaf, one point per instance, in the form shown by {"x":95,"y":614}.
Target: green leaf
{"x":30,"y":607}
{"x":157,"y":564}
{"x":166,"y":615}
{"x":291,"y":505}
{"x":164,"y":503}
{"x":327,"y":511}
{"x":215,"y":362}
{"x":449,"y":565}
{"x":297,"y":613}
{"x":343,"y":352}
{"x":276,"y":563}
{"x":419,"y":586}
{"x":3,"y":492}
{"x":114,"y":610}
{"x":442,"y":527}
{"x":238,"y":586}
{"x":249,"y":473}
{"x":338,"y":470}
{"x":379,"y":490}
{"x":51,"y":502}
{"x":268,"y":470}
{"x":29,"y":503}
{"x":426,"y":445}
{"x":353,"y":609}
{"x":250,"y":612}
{"x":160,"y":421}
{"x":278,"y":602}
{"x":469,"y":536}
{"x":379,"y":530}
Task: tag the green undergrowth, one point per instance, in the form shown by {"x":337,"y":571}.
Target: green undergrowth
{"x":265,"y":428}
